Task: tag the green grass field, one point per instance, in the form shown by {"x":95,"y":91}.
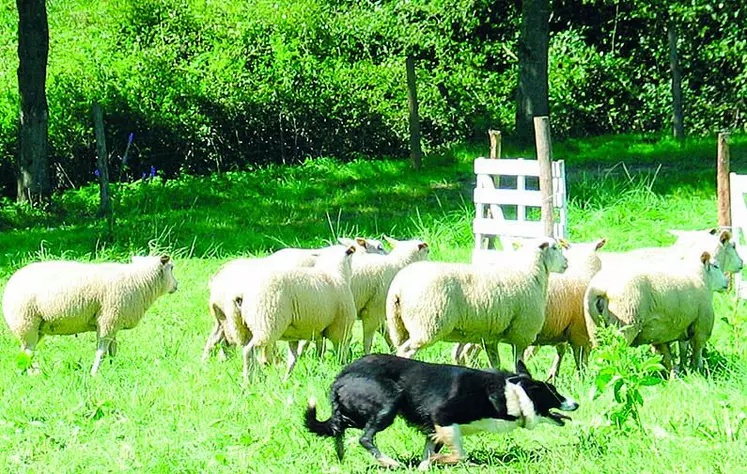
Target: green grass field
{"x":156,"y":408}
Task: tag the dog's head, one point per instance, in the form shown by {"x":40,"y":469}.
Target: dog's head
{"x":541,"y":397}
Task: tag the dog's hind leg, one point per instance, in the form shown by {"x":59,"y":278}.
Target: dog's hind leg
{"x":381,"y":421}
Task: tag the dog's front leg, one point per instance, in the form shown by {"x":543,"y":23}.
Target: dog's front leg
{"x":451,"y":437}
{"x":432,"y":448}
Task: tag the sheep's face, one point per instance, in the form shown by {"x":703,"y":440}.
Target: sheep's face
{"x":715,"y":278}
{"x":167,"y":270}
{"x":726,"y":254}
{"x":555,"y":260}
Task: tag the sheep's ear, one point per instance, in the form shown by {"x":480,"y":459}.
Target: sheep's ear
{"x":600,"y":243}
{"x":705,"y":258}
{"x":713,"y":231}
{"x":345,"y":241}
{"x":544,"y":245}
{"x":724,"y":237}
{"x":165,"y":259}
{"x":422,"y":245}
{"x":391,"y":241}
{"x":350,"y":250}
{"x":522,"y":369}
{"x":361,"y":241}
{"x":238,"y":301}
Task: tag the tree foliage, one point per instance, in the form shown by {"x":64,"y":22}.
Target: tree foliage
{"x":208,"y":86}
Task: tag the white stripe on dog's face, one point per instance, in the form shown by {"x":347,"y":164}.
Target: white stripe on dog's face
{"x":569,"y":404}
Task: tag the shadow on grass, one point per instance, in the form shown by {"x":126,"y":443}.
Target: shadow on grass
{"x":482,"y":457}
{"x":312,"y":203}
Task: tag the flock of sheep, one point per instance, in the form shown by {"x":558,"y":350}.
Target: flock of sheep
{"x":546,"y":293}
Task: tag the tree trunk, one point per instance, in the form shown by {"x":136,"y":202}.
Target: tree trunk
{"x":674,"y":67}
{"x":33,"y":49}
{"x":412,"y":100}
{"x":532,"y":100}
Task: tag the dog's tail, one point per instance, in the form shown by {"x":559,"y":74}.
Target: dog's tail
{"x":329,"y":428}
{"x":397,"y":331}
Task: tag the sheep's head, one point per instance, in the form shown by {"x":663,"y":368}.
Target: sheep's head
{"x":715,"y":278}
{"x":726,"y":254}
{"x":582,"y":257}
{"x":553,"y":256}
{"x":413,"y":250}
{"x":365,"y":245}
{"x":167,"y":269}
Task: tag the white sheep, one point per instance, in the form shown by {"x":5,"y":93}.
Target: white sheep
{"x":63,"y":297}
{"x":230,"y":279}
{"x":307,"y":257}
{"x":688,"y":244}
{"x":436,"y":301}
{"x":657,"y":306}
{"x":564,"y":315}
{"x":298,"y":304}
{"x":371,"y":277}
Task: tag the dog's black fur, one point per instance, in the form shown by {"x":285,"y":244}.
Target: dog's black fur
{"x":370,"y":392}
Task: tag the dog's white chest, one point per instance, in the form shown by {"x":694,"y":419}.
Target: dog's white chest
{"x":491,"y":425}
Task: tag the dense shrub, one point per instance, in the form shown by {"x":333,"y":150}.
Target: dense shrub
{"x":205,"y":86}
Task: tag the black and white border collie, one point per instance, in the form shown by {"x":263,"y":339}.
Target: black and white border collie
{"x":445,"y":402}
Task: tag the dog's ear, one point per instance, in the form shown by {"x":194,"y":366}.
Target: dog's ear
{"x":522,"y":369}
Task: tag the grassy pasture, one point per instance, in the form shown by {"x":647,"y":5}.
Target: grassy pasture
{"x":156,"y":408}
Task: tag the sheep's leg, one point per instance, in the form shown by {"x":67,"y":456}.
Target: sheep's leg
{"x":530,"y":352}
{"x":580,"y":355}
{"x":101,"y":350}
{"x":28,"y":346}
{"x":684,"y":347}
{"x":560,"y":352}
{"x":518,"y":353}
{"x":113,"y":348}
{"x":292,"y":358}
{"x":370,"y":326}
{"x":494,"y":356}
{"x":247,"y":356}
{"x":320,"y":345}
{"x":213,"y":340}
{"x":29,"y":341}
{"x":456,"y":353}
{"x":302,"y":345}
{"x":666,"y":358}
{"x":697,"y":356}
{"x":409,"y":348}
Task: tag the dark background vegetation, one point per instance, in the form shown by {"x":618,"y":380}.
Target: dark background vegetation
{"x":217,"y":86}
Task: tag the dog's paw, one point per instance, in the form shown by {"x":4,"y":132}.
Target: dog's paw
{"x":424,"y":465}
{"x":386,"y":461}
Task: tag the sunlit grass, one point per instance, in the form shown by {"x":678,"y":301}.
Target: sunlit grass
{"x":156,"y":408}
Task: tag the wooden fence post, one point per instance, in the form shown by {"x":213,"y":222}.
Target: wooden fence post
{"x":103,"y":168}
{"x":412,"y":101}
{"x":544,"y":156}
{"x":495,"y":144}
{"x":724,"y":195}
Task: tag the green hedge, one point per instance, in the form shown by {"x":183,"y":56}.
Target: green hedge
{"x":206,"y":86}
